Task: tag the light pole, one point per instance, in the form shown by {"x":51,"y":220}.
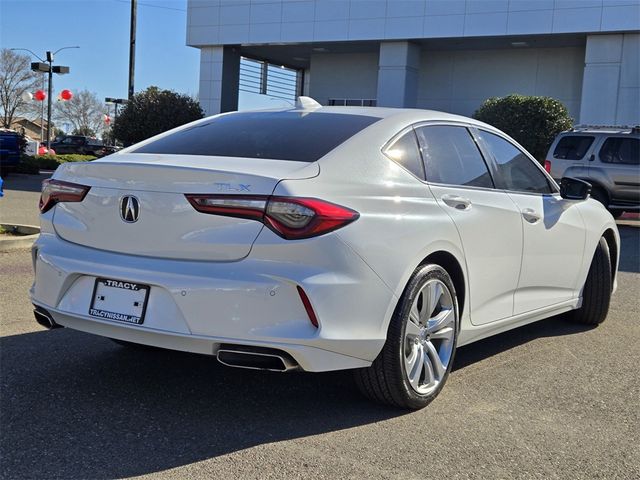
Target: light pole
{"x":46,"y":66}
{"x":132,"y":46}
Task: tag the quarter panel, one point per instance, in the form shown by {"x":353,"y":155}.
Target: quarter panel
{"x":400,"y":222}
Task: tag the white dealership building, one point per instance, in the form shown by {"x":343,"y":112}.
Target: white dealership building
{"x":447,"y":55}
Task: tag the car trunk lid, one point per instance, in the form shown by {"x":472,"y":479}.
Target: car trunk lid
{"x":167,"y":225}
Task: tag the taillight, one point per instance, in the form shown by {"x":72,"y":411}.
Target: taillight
{"x":547,"y":166}
{"x":249,"y":206}
{"x":56,"y":191}
{"x":292,"y":218}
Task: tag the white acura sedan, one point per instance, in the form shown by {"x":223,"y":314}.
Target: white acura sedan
{"x":321,"y":238}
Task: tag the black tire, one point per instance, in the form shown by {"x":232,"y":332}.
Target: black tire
{"x":386,"y":380}
{"x":600,"y":195}
{"x":596,"y":294}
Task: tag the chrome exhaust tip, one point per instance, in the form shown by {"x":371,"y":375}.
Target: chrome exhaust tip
{"x":45,"y":319}
{"x":256,"y":358}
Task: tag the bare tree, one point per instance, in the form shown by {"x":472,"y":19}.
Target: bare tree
{"x":84,"y":112}
{"x":16,"y":78}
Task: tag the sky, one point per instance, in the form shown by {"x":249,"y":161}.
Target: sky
{"x":101,"y":29}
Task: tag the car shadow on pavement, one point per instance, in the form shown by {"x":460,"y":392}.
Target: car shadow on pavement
{"x":551,"y":327}
{"x":78,"y":406}
{"x":25,"y":183}
{"x":630,"y":248}
{"x":75,"y":405}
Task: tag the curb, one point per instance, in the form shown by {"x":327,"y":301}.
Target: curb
{"x":30,"y":234}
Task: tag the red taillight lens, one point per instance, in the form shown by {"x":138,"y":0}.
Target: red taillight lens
{"x":56,"y":191}
{"x":245,"y":206}
{"x":547,"y":166}
{"x":294,"y":218}
{"x":290,"y":217}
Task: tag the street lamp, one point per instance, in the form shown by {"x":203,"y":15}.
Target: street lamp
{"x":46,"y":66}
{"x":116,"y":102}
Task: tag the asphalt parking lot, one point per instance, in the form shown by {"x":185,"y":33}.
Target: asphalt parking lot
{"x":550,"y":400}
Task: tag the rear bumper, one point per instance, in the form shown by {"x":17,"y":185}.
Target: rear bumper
{"x":196,"y":306}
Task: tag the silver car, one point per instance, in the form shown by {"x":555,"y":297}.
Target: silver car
{"x":606,"y":157}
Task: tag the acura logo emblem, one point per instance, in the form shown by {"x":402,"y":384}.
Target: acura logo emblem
{"x":129,"y":209}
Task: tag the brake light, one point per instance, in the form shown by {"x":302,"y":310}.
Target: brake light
{"x":292,"y":218}
{"x":547,"y":166}
{"x":56,"y":191}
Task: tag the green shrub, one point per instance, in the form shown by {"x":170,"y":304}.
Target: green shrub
{"x":534,"y":122}
{"x":33,"y":165}
{"x":154,"y":111}
{"x":73,"y":158}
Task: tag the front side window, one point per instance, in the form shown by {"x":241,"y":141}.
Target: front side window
{"x":404,"y":151}
{"x":451,"y":157}
{"x":288,"y":135}
{"x":572,"y":147}
{"x":621,"y":150}
{"x":517,"y":170}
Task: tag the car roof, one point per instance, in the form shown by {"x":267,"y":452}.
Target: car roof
{"x":406,"y":116}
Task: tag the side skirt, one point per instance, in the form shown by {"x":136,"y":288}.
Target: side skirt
{"x":471,"y":333}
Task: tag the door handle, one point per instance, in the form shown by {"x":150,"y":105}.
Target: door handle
{"x":457,"y":202}
{"x":530,"y":215}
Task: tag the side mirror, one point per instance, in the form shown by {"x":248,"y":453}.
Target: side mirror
{"x":574,"y":189}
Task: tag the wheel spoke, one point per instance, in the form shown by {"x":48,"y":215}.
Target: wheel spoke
{"x":412,"y":331}
{"x":415,"y":364}
{"x":434,"y":294}
{"x":429,"y":375}
{"x":443,"y":334}
{"x":441,"y":320}
{"x":414,"y":314}
{"x":438,"y":368}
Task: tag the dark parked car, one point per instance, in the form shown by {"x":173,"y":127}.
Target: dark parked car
{"x":9,"y":150}
{"x":77,"y":144}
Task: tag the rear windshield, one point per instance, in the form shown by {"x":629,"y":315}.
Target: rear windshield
{"x":572,"y":147}
{"x":298,"y":136}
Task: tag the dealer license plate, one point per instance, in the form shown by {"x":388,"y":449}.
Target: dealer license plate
{"x":119,"y":300}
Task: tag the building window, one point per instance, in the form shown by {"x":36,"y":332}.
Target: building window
{"x":352,"y":102}
{"x":278,"y":81}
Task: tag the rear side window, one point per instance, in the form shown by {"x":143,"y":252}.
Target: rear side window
{"x":516,"y":169}
{"x":621,"y":150}
{"x":298,"y":136}
{"x":572,"y":147}
{"x":404,"y":151}
{"x":451,"y":157}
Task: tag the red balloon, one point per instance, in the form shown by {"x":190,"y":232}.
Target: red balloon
{"x":66,"y":94}
{"x":39,"y":95}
